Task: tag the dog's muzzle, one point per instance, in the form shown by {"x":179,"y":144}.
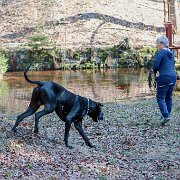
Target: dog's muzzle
{"x":101,"y":116}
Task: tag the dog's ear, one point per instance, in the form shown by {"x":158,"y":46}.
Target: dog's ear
{"x":101,"y":104}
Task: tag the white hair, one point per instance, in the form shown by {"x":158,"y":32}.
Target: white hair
{"x":163,"y":40}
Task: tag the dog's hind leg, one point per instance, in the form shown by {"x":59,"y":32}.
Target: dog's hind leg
{"x":28,"y":112}
{"x":78,"y":126}
{"x":48,"y":108}
{"x":33,"y":107}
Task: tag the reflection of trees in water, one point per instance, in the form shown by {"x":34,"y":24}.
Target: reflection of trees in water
{"x":124,"y":77}
{"x":3,"y":93}
{"x":91,"y":80}
{"x":104,"y":85}
{"x":4,"y":88}
{"x":111,"y":85}
{"x":13,"y":99}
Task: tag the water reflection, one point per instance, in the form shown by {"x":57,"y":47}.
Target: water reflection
{"x":108,"y":85}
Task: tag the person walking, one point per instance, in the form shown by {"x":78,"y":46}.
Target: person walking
{"x":164,"y":68}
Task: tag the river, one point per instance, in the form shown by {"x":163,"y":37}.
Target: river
{"x":105,"y":85}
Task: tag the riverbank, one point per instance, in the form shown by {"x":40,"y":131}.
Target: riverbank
{"x":44,"y":58}
{"x":129,"y":144}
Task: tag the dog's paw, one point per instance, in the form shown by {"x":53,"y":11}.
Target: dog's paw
{"x":36,"y":131}
{"x":10,"y":134}
{"x":70,"y":147}
{"x":91,"y":146}
{"x":14,"y":130}
{"x":94,"y":147}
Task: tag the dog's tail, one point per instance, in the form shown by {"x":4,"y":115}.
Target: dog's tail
{"x":28,"y":80}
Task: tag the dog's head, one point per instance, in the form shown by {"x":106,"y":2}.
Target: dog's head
{"x":95,"y":111}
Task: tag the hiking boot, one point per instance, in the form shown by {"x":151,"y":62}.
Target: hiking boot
{"x":165,"y":120}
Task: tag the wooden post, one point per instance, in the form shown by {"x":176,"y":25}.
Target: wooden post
{"x":169,"y":32}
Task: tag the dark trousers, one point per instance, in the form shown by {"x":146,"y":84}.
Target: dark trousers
{"x":164,"y":95}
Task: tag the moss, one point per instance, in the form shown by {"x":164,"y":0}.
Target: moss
{"x":44,"y":59}
{"x":147,"y":54}
{"x":102,"y":54}
{"x":3,"y":63}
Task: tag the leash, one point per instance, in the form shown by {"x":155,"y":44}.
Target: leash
{"x":151,"y":84}
{"x":88,"y":105}
{"x":87,"y":109}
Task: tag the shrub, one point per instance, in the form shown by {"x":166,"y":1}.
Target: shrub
{"x":3,"y":63}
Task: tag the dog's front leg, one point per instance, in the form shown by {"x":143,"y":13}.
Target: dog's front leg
{"x":73,"y":115}
{"x":66,"y":135}
{"x":78,"y":126}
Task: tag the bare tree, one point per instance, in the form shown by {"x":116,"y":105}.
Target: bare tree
{"x":165,"y":11}
{"x":173,"y":14}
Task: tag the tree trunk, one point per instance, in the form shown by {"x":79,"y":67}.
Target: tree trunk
{"x":165,"y":11}
{"x":174,"y":15}
{"x":13,"y":62}
{"x":55,"y":63}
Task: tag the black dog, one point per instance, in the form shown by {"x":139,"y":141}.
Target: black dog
{"x":68,"y":106}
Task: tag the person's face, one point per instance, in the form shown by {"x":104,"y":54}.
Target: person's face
{"x":160,"y":46}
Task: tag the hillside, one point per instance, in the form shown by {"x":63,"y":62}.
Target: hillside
{"x":81,"y":23}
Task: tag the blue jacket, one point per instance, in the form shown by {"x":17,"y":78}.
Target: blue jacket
{"x":164,"y":63}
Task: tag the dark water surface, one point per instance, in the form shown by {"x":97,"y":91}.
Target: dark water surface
{"x":111,"y":85}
